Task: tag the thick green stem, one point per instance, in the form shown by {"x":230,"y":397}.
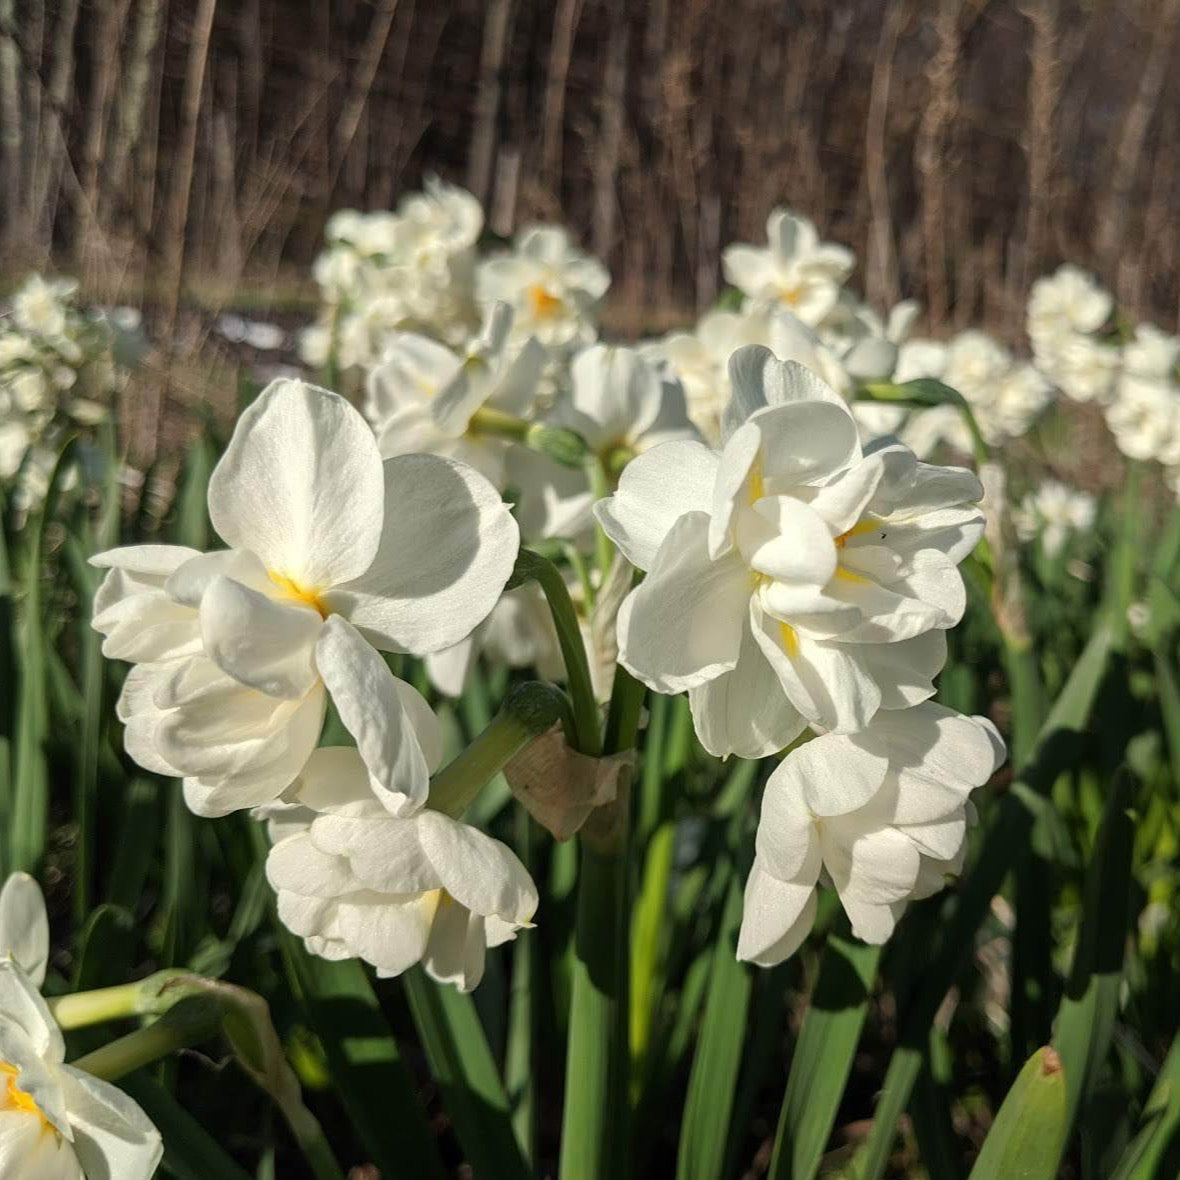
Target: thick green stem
{"x":532,"y":567}
{"x":145,"y":997}
{"x":191,"y":1021}
{"x":594,"y":1122}
{"x":528,"y":710}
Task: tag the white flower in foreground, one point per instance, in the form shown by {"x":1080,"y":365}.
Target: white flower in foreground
{"x":1054,"y":511}
{"x":362,"y":870}
{"x":56,"y":1122}
{"x":1153,"y":353}
{"x":40,"y":306}
{"x":229,"y":688}
{"x":24,"y":926}
{"x":881,"y":815}
{"x":554,"y":289}
{"x":795,"y":268}
{"x":423,"y":396}
{"x":621,"y":405}
{"x":791,"y":579}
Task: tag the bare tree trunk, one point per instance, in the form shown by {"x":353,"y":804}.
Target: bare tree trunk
{"x":1044,"y":92}
{"x":129,"y":122}
{"x":931,"y":152}
{"x":370,"y":58}
{"x":565,"y":23}
{"x":496,"y":26}
{"x":61,"y":75}
{"x":881,"y":284}
{"x":10,"y":120}
{"x":613,"y":118}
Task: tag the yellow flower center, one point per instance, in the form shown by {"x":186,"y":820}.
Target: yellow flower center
{"x":543,"y":305}
{"x":790,"y":639}
{"x":17,"y":1099}
{"x":789,"y":295}
{"x":294,"y":592}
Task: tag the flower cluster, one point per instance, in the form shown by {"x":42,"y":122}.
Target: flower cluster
{"x":1052,"y":512}
{"x":56,"y":368}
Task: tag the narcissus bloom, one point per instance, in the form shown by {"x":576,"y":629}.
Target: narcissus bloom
{"x":795,"y":268}
{"x":56,"y":1122}
{"x":792,"y":579}
{"x":229,"y":688}
{"x":24,"y":926}
{"x":882,"y":815}
{"x":423,"y":396}
{"x":554,"y":289}
{"x":362,"y":869}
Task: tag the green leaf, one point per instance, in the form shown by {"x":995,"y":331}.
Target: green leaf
{"x":1028,"y":1135}
{"x":1085,"y":1020}
{"x":190,"y":1152}
{"x":823,"y":1057}
{"x":713,"y":1082}
{"x":462,"y":1064}
{"x":1006,"y":837}
{"x":375,"y":1086}
{"x":1155,"y":1150}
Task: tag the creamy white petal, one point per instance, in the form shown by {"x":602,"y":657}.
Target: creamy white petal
{"x":387,"y":932}
{"x":776,"y":918}
{"x":682,"y":626}
{"x":365,"y":694}
{"x":787,"y":843}
{"x":112,"y":1136}
{"x":448,"y":547}
{"x":655,"y":490}
{"x":24,"y":926}
{"x":188,"y":582}
{"x":261,"y":643}
{"x":300,"y":485}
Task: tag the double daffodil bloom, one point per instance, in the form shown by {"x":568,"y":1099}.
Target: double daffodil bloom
{"x":792,"y":579}
{"x":882,"y":815}
{"x":362,"y":868}
{"x":229,"y":688}
{"x":57,"y":1122}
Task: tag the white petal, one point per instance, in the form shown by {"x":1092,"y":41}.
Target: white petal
{"x":834,"y":774}
{"x":777,"y":917}
{"x":298,"y":866}
{"x":22,"y":1008}
{"x":737,"y":484}
{"x":843,"y":501}
{"x":365,"y":694}
{"x":383,"y":854}
{"x":261,"y":643}
{"x":300,"y":485}
{"x":156,"y":561}
{"x":745,"y":712}
{"x":805,"y":442}
{"x":448,"y":547}
{"x":905,"y":671}
{"x":683,"y":625}
{"x":456,"y":952}
{"x":112,"y":1135}
{"x":188,"y":582}
{"x":391,"y":934}
{"x":784,"y":539}
{"x":655,"y":490}
{"x":786,"y":842}
{"x":448,"y":669}
{"x":24,"y":926}
{"x":481,"y":873}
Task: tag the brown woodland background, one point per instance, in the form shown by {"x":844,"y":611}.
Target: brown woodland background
{"x":187,"y":152}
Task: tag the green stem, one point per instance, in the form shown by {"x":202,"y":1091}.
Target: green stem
{"x":145,"y":997}
{"x":601,"y":486}
{"x":594,"y":1120}
{"x":528,"y":710}
{"x":532,"y":567}
{"x":191,"y":1021}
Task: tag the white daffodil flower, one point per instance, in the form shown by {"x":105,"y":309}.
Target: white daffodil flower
{"x":554,"y":289}
{"x":791,"y":579}
{"x":57,"y":1122}
{"x":1065,"y":311}
{"x":1153,"y":353}
{"x":231,"y":648}
{"x":795,"y":268}
{"x":621,"y":405}
{"x":1144,"y":416}
{"x":39,"y":307}
{"x":882,"y":815}
{"x":361,"y":869}
{"x":1052,"y":512}
{"x":423,"y":396}
{"x":24,"y":926}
